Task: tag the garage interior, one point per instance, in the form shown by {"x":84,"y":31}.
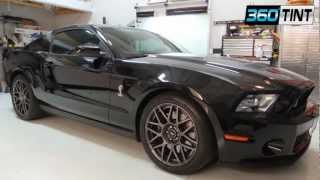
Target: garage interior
{"x":59,"y":148}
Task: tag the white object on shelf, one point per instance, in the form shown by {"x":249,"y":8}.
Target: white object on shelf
{"x":263,"y":48}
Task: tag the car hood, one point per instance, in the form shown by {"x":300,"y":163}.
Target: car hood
{"x":241,"y":72}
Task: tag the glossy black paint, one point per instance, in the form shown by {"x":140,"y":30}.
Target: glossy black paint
{"x":217,"y":85}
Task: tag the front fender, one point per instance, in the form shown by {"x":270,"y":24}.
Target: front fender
{"x":26,"y":72}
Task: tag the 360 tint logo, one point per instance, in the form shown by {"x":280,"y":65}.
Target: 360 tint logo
{"x":273,"y":15}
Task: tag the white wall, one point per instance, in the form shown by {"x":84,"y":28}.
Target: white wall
{"x":190,"y":31}
{"x":117,"y":12}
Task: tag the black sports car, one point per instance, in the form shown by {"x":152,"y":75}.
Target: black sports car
{"x":187,"y":111}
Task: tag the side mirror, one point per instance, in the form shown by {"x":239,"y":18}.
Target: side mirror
{"x":89,"y":50}
{"x":88,"y":68}
{"x":88,"y":46}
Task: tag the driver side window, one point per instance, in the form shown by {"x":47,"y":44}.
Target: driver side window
{"x":68,"y":42}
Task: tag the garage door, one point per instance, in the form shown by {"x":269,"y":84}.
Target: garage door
{"x":300,"y":51}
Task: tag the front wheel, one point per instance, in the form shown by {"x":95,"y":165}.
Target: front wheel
{"x":176,"y":135}
{"x":24,"y":102}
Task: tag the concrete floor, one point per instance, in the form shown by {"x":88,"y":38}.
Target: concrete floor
{"x":55,"y":148}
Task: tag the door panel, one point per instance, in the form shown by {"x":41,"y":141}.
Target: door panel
{"x":68,"y":74}
{"x":77,"y":88}
{"x":85,"y":93}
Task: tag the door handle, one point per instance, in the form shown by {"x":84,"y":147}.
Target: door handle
{"x":87,"y":68}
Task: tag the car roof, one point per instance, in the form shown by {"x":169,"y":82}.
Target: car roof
{"x":87,"y":26}
{"x":71,"y":27}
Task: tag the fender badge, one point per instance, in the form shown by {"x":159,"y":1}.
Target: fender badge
{"x":120,"y":89}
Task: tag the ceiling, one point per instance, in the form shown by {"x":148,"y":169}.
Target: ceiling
{"x":56,"y":10}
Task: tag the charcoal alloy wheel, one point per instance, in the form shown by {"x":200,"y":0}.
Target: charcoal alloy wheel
{"x":176,"y":134}
{"x":21,"y":97}
{"x":171,"y":134}
{"x":24,"y":102}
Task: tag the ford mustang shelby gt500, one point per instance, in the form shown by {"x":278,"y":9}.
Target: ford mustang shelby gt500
{"x":187,"y":111}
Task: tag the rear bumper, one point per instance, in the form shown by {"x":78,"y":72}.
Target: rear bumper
{"x":271,"y":141}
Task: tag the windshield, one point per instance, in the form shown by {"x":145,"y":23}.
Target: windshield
{"x":130,"y":43}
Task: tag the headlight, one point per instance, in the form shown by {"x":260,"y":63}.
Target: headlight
{"x":257,"y":103}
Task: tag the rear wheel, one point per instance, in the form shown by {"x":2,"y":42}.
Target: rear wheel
{"x":24,"y":102}
{"x":176,"y":135}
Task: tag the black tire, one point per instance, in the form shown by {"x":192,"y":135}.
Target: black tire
{"x":24,"y":102}
{"x":191,"y":142}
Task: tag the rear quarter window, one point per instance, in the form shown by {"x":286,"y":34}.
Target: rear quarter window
{"x":40,"y":44}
